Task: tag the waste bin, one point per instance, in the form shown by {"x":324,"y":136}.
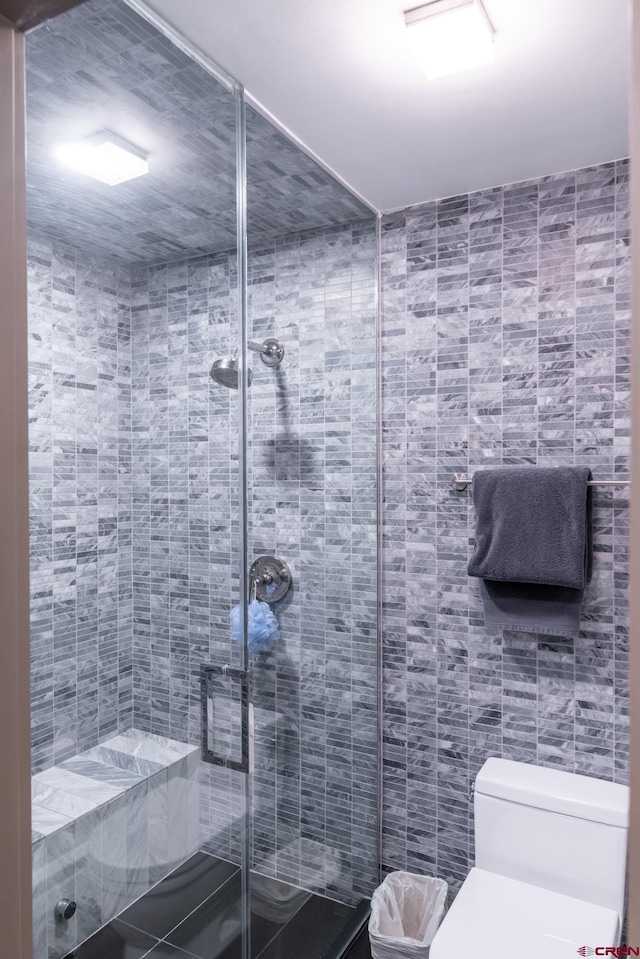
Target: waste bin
{"x":406,"y":911}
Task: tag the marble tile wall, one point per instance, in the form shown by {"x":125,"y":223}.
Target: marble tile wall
{"x":80,"y":496}
{"x":505,"y":341}
{"x":313,"y":483}
{"x":312,"y":501}
{"x":185,"y":508}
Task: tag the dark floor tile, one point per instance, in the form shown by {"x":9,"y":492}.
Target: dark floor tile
{"x":310,"y":932}
{"x":214,"y":930}
{"x":361,"y":949}
{"x":168,"y":903}
{"x":115,"y":941}
{"x":166,"y":951}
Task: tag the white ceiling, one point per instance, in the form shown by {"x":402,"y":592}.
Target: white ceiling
{"x":338,"y":75}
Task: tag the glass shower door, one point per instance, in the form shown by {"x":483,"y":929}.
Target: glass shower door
{"x":138,"y":552}
{"x":312,"y":509}
{"x":203,"y":513}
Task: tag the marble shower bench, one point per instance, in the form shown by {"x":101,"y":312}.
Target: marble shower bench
{"x":107,"y":825}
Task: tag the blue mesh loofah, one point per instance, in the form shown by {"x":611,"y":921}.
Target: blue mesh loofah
{"x":263,"y":627}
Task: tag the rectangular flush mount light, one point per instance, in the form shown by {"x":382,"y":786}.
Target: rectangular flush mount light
{"x":103,"y":159}
{"x":447,"y":36}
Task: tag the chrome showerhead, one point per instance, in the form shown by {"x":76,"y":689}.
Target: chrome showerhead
{"x":226,"y":373}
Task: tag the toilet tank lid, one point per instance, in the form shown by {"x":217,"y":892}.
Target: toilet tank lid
{"x":567,"y":793}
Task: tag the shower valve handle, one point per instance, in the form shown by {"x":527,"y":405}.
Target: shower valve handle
{"x":266,"y":579}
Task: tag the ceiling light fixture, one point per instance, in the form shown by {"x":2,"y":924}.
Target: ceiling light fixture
{"x":103,"y":159}
{"x":447,"y":36}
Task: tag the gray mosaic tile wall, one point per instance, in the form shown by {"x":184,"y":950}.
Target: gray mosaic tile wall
{"x":505,"y":337}
{"x":312,"y":501}
{"x":80,"y":494}
{"x":185,"y":503}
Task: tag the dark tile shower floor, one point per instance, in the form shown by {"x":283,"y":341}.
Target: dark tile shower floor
{"x":195,"y":914}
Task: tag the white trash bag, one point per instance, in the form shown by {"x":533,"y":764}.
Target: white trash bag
{"x":406,"y":911}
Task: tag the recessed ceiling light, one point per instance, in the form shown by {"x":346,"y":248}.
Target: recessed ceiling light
{"x":446,"y":36}
{"x":104,"y":160}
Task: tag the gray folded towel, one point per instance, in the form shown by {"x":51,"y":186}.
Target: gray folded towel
{"x":530,"y":608}
{"x":533,"y":547}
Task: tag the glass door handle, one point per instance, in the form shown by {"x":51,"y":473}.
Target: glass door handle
{"x":237,"y":713}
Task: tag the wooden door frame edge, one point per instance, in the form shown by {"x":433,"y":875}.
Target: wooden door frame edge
{"x":15,"y":751}
{"x":26,"y":14}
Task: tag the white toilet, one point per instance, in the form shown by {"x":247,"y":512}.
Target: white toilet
{"x":550,"y":867}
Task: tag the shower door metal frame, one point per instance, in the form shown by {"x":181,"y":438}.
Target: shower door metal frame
{"x":243,"y":506}
{"x":634,"y":678}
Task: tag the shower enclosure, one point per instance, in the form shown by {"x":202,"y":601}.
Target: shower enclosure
{"x":203,"y":438}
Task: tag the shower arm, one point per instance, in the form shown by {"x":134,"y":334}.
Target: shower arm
{"x":260,"y":347}
{"x":271,"y":351}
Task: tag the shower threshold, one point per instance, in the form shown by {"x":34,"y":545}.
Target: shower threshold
{"x":195,"y":914}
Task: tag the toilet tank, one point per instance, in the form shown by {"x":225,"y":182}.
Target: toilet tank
{"x":553,"y":829}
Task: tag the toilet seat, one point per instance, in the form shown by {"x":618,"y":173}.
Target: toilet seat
{"x":494,"y":917}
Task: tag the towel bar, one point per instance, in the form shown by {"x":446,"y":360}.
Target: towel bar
{"x":460,"y":481}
